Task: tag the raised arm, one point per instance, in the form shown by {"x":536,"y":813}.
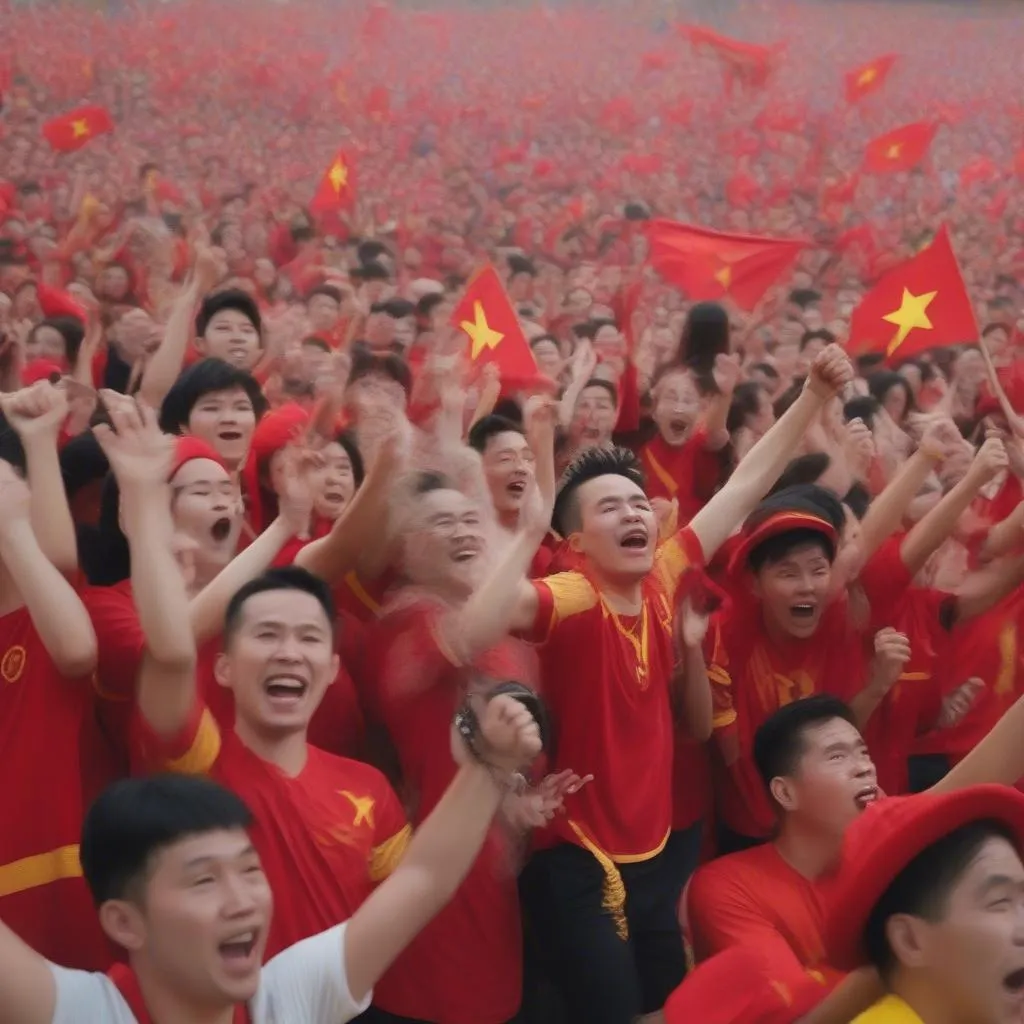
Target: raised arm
{"x":140,"y":458}
{"x":444,"y":846}
{"x":940,"y":522}
{"x":57,"y":612}
{"x":28,"y":991}
{"x":163,"y":367}
{"x":761,"y":467}
{"x":36,"y":414}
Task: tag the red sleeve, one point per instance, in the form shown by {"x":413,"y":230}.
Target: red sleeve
{"x":629,"y":401}
{"x":544,"y":621}
{"x":885,"y":580}
{"x":337,"y":725}
{"x":193,"y":750}
{"x":119,"y":638}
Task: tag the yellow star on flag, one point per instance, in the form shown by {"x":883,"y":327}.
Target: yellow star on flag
{"x":480,"y":331}
{"x":893,"y":152}
{"x":911,"y":316}
{"x":363,"y":806}
{"x":80,"y":129}
{"x":867,"y":76}
{"x":338,"y":175}
{"x":724,"y":276}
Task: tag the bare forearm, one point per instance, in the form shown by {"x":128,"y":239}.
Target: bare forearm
{"x":754,"y":476}
{"x":985,"y":588}
{"x":163,"y":368}
{"x":51,"y":517}
{"x":207,"y":608}
{"x":886,"y":512}
{"x":938,"y":524}
{"x":438,"y":858}
{"x":56,"y":610}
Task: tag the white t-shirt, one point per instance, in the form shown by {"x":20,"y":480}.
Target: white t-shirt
{"x":305,"y":984}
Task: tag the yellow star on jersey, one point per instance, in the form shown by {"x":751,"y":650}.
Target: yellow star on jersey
{"x":338,"y":175}
{"x":911,"y":316}
{"x":363,"y":807}
{"x":893,"y":152}
{"x":480,"y":331}
{"x":724,"y":276}
{"x":867,"y":76}
{"x":80,"y":129}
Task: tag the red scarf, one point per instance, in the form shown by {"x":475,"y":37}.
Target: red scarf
{"x":128,"y":985}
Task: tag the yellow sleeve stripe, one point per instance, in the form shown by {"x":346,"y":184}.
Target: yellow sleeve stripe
{"x":205,"y":749}
{"x":723,"y":719}
{"x":40,"y":869}
{"x":384,"y":858}
{"x":571,"y":594}
{"x":718,"y":675}
{"x":670,"y":563}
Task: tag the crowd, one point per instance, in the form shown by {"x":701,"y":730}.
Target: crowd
{"x":348,"y":669}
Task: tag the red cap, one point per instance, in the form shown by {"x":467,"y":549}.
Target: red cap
{"x":737,"y":987}
{"x":57,"y":302}
{"x":278,"y":429}
{"x":779,"y":522}
{"x":886,"y":838}
{"x":41,"y":369}
{"x":187,"y":448}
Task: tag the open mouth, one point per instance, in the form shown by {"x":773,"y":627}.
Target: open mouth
{"x":334,"y":497}
{"x":803,"y":611}
{"x":220,"y":529}
{"x":678,"y":426}
{"x":517,"y":488}
{"x":466,"y":551}
{"x":635,"y":540}
{"x":1014,"y":983}
{"x":866,"y":796}
{"x":591,"y":434}
{"x":285,"y":691}
{"x":230,"y":435}
{"x":239,"y":948}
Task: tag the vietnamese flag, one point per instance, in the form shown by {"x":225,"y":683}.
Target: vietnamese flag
{"x":337,"y":187}
{"x":899,"y":150}
{"x":710,"y":265}
{"x":74,"y":129}
{"x":868,"y":78}
{"x":918,"y":305}
{"x":490,"y":323}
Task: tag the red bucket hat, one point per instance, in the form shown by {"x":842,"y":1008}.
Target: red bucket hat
{"x":886,"y":838}
{"x":187,"y":448}
{"x":779,"y":522}
{"x":737,"y":987}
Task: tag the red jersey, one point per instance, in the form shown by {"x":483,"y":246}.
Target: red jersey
{"x":325,"y":837}
{"x":465,"y":967}
{"x":752,"y":675}
{"x":687,"y":473}
{"x":607,"y":681}
{"x":756,"y":899}
{"x":43,"y":718}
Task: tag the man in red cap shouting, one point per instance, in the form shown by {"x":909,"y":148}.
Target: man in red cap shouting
{"x":931,"y":893}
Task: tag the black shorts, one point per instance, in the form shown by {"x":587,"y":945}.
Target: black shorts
{"x":603,"y":978}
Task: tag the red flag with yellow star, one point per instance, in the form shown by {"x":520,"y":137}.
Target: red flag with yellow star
{"x":337,"y":187}
{"x":490,"y":323}
{"x":868,"y":78}
{"x":74,"y":129}
{"x":711,"y":265}
{"x":899,"y":150}
{"x":919,"y":305}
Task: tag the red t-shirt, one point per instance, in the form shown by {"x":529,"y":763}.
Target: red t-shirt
{"x":43,"y":716}
{"x":325,"y":837}
{"x":465,"y":967}
{"x":688,"y":472}
{"x":607,"y":681}
{"x":753,"y":675}
{"x":755,"y":899}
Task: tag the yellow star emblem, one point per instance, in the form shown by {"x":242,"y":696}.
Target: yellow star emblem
{"x":893,"y":152}
{"x":724,"y":276}
{"x":363,"y":807}
{"x":867,"y":76}
{"x":911,"y":316}
{"x":480,"y":331}
{"x":80,"y":129}
{"x":338,"y":175}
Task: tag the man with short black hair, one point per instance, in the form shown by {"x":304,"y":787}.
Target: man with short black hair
{"x":229,"y":327}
